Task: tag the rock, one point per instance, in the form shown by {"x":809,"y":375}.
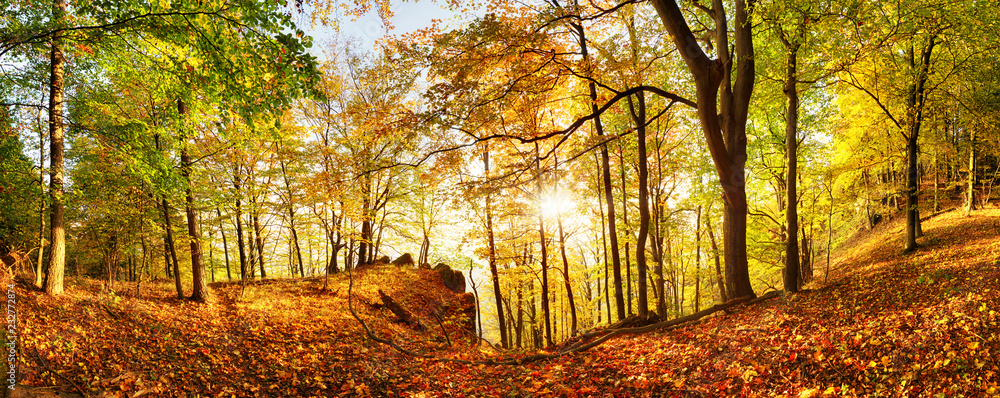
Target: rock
{"x":383,"y":260}
{"x":453,"y":279}
{"x":424,"y":266}
{"x":404,"y":260}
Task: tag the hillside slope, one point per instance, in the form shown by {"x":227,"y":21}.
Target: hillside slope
{"x":883,"y":324}
{"x":273,"y":338}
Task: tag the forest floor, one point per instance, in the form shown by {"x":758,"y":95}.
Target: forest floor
{"x":883,"y":323}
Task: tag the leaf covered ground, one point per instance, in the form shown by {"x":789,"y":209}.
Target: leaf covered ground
{"x":883,"y":324}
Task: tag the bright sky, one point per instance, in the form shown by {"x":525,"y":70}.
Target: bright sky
{"x":407,"y":17}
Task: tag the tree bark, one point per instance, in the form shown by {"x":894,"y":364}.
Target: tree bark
{"x":639,"y":115}
{"x":697,"y":261}
{"x":199,"y":289}
{"x":715,"y":253}
{"x":366,"y":222}
{"x":258,"y":240}
{"x":937,"y":182}
{"x":39,"y":270}
{"x":291,"y":219}
{"x":606,"y":172}
{"x":237,"y":182}
{"x":541,"y":241}
{"x":225,"y":244}
{"x":791,"y":151}
{"x":251,"y":250}
{"x":915,"y":109}
{"x":604,"y":240}
{"x":57,"y":244}
{"x":723,"y":120}
{"x":970,"y":202}
{"x":211,"y":253}
{"x":168,"y":226}
{"x":504,"y":338}
{"x":569,"y":289}
{"x":625,"y":227}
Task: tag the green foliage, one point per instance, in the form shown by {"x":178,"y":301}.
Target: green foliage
{"x":19,"y":191}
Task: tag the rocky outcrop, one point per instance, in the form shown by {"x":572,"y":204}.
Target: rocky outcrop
{"x":453,"y":279}
{"x":405,"y":260}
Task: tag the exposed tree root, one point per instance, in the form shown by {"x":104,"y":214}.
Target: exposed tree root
{"x":404,"y":315}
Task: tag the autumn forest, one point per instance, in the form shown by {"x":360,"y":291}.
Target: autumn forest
{"x":651,"y":198}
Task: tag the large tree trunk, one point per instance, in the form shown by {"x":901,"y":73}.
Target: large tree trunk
{"x":639,"y":116}
{"x":625,"y":227}
{"x":604,"y":240}
{"x":199,"y":289}
{"x":606,"y":173}
{"x":57,"y":245}
{"x":723,"y":120}
{"x":791,"y":150}
{"x":915,"y":110}
{"x":497,"y":293}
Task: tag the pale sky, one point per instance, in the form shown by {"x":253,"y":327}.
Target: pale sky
{"x":408,"y":16}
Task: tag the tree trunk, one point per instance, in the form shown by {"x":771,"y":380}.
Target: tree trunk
{"x":425,"y":245}
{"x":723,"y":120}
{"x":791,"y":150}
{"x":569,"y":288}
{"x":604,"y":240}
{"x":366,"y":222}
{"x":697,"y":261}
{"x":291,"y":219}
{"x":937,"y":183}
{"x":806,"y":262}
{"x":57,"y":244}
{"x":715,"y":253}
{"x":915,"y":108}
{"x":199,"y":289}
{"x":625,"y":227}
{"x":541,"y":241}
{"x":258,"y":240}
{"x":504,"y":338}
{"x":225,"y":244}
{"x":211,"y":252}
{"x":640,"y":245}
{"x":168,"y":226}
{"x":970,"y":202}
{"x":251,"y":249}
{"x":237,"y":181}
{"x":39,"y":270}
{"x":606,"y":172}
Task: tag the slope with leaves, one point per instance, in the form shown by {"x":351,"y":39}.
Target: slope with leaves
{"x":886,"y":324}
{"x":276,"y":338}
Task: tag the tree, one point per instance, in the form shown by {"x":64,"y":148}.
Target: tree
{"x":57,"y":245}
{"x":723,"y":102}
